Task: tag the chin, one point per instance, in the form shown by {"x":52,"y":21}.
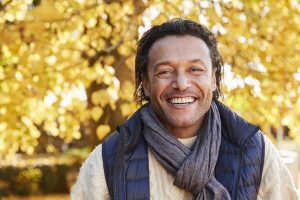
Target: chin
{"x":182,"y":123}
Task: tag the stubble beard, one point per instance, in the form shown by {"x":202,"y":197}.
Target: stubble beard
{"x":171,"y":121}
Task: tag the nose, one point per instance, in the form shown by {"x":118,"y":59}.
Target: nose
{"x":181,"y":82}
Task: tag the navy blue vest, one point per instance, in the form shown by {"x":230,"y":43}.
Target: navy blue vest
{"x":238,"y":169}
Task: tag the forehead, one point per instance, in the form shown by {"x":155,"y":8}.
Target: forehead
{"x":179,"y":48}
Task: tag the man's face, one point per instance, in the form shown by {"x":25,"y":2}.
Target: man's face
{"x":180,"y":81}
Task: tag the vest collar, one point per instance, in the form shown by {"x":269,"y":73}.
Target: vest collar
{"x":234,"y":127}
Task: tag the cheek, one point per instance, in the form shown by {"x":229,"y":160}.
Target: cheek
{"x":159,"y":86}
{"x":205,"y":83}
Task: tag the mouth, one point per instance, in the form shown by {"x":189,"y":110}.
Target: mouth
{"x":181,"y":102}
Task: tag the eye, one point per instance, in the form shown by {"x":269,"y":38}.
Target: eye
{"x":164,"y":73}
{"x":197,"y":69}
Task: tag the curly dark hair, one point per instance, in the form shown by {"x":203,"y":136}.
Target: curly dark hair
{"x":174,"y":27}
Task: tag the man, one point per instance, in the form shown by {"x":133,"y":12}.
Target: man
{"x":183,"y":143}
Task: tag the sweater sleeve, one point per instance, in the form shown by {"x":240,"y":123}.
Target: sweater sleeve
{"x":277,"y":182}
{"x":91,"y":183}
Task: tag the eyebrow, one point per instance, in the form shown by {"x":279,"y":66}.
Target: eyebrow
{"x":169,"y":63}
{"x":198,"y":60}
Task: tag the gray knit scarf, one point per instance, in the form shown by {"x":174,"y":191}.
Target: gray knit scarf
{"x":193,"y":169}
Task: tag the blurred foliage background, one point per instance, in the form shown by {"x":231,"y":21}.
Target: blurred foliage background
{"x":67,"y":69}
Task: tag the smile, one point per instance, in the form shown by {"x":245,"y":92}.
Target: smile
{"x":181,"y":100}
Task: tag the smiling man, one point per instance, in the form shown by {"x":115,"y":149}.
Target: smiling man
{"x":183,"y":143}
{"x":179,"y":82}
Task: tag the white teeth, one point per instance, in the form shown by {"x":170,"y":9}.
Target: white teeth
{"x":182,"y":100}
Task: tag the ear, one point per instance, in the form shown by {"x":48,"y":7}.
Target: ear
{"x":146,"y":86}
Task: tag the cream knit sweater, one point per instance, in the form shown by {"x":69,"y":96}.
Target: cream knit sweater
{"x":276,"y":182}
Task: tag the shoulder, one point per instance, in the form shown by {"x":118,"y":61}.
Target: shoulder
{"x":277,"y":182}
{"x":91,"y":181}
{"x":272,"y":159}
{"x":95,"y":158}
{"x":109,"y":145}
{"x":269,"y":145}
{"x":271,"y":152}
{"x":90,"y":168}
{"x":111,"y":140}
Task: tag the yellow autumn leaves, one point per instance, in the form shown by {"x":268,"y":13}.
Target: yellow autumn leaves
{"x":67,"y":67}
